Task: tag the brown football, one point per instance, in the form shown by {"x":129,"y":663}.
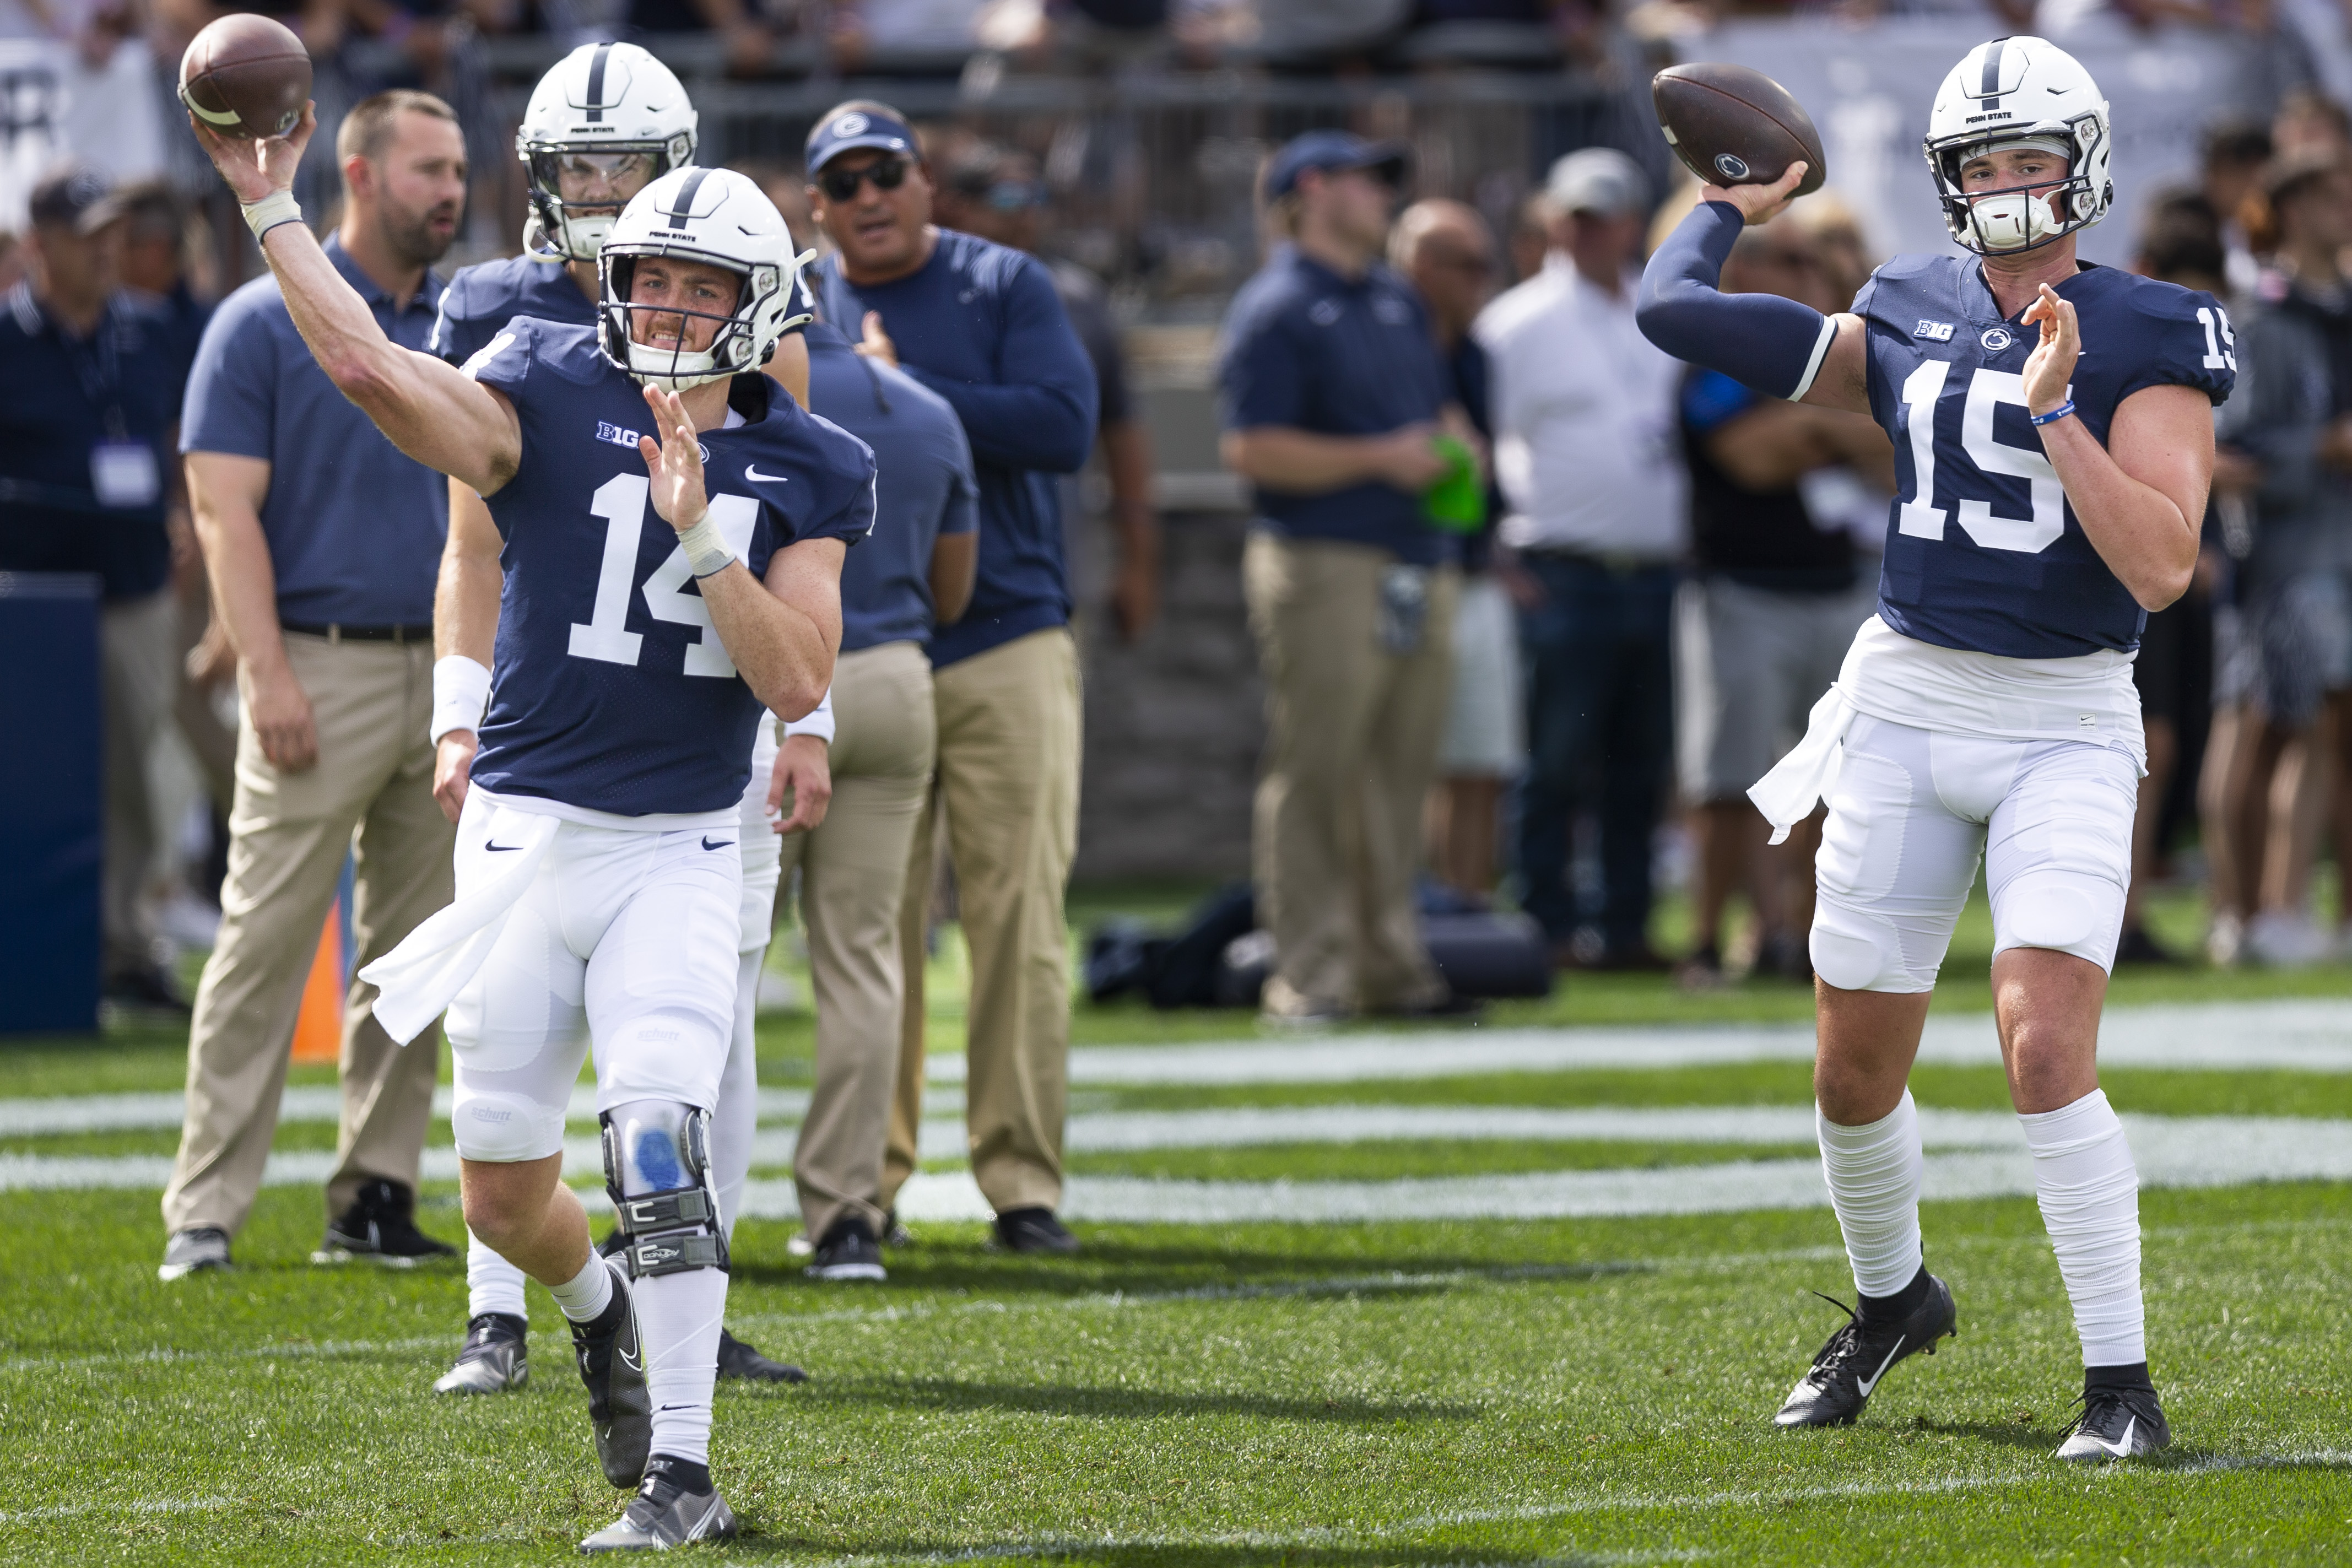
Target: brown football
{"x":1734,"y":126}
{"x":245,"y":77}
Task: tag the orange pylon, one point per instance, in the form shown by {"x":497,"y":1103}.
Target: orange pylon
{"x":319,"y":1027}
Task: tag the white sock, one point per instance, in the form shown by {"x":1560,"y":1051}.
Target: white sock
{"x":737,"y":1118}
{"x":492,"y":1284}
{"x":586,"y":1293}
{"x":677,"y":1323}
{"x":2089,"y":1192}
{"x":1873,"y":1173}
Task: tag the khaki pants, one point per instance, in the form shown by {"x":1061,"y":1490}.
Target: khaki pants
{"x":371,"y":792}
{"x":852,"y":873}
{"x":1008,"y":788}
{"x":1351,"y":745}
{"x":139,"y":662}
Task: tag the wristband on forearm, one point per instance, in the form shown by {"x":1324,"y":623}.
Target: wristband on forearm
{"x":706,"y":552}
{"x":277,"y":207}
{"x":1761,"y":341}
{"x":817,"y":722}
{"x":461,"y":694}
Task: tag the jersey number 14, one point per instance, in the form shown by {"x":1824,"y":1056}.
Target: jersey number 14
{"x":605,"y":635}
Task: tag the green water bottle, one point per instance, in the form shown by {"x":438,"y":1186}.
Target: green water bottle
{"x":1457,"y":501}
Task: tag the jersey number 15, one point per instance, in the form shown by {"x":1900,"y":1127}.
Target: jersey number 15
{"x":605,"y":635}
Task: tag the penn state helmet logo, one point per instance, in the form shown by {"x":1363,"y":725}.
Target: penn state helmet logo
{"x":1996,"y":339}
{"x":850,"y":124}
{"x":1730,"y":166}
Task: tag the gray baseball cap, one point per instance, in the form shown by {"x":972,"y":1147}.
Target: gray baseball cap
{"x":1599,"y":180}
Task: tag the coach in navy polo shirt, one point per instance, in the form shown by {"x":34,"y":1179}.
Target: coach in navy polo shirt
{"x":323,"y":543}
{"x":980,"y":325}
{"x":1332,"y":391}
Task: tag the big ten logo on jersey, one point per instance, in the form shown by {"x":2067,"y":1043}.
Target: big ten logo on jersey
{"x":621,"y":503}
{"x":1919,"y":513}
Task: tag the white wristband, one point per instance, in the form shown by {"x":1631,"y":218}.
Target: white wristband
{"x":277,"y":207}
{"x":706,"y":552}
{"x":461,"y":694}
{"x":817,"y":722}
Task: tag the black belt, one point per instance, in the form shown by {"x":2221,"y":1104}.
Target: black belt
{"x":334,"y":632}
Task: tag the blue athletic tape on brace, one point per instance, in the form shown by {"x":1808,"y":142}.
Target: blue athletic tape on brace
{"x":1761,"y":341}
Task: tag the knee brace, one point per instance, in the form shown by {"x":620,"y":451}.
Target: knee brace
{"x":657,"y":1170}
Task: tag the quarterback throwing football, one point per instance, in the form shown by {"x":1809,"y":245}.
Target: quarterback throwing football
{"x":2052,"y":431}
{"x":599,"y":875}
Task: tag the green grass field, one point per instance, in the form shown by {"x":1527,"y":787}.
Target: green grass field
{"x":1416,"y":1392}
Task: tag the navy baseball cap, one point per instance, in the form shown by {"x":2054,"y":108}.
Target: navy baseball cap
{"x":77,"y":197}
{"x":1332,"y":150}
{"x":853,"y":126}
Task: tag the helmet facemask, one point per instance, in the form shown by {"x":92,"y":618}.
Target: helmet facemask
{"x":734,"y":349}
{"x":575,"y":230}
{"x":2020,"y":218}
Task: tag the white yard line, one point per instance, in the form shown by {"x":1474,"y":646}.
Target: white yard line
{"x":2189,"y":1152}
{"x":2305,"y":1034}
{"x":2313,"y":1036}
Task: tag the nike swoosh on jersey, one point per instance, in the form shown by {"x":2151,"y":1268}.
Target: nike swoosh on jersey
{"x":751,"y":471}
{"x":720,"y":845}
{"x":497,"y":848}
{"x":1867,"y":1383}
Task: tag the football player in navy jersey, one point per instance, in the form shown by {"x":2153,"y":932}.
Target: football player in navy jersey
{"x":2052,"y":430}
{"x":580,"y":174}
{"x":598,"y":875}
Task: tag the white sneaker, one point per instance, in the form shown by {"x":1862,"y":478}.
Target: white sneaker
{"x":2225,"y":940}
{"x":2288,"y":939}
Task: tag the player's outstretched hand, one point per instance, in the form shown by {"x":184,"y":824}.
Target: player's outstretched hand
{"x":2050,"y":369}
{"x":1759,"y":204}
{"x":673,"y":463}
{"x":258,"y":166}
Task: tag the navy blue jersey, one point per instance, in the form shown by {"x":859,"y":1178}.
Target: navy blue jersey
{"x":1983,"y":552}
{"x":482,"y":298}
{"x":609,"y":689}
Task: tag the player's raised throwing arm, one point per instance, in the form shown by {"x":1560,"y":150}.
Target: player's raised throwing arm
{"x":1780,"y":347}
{"x":430,"y":410}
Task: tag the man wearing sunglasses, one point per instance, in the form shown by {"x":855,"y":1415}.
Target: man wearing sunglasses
{"x":580,"y":178}
{"x":980,"y":324}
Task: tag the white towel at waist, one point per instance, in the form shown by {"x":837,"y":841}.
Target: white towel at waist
{"x":1799,"y":781}
{"x":417,"y":980}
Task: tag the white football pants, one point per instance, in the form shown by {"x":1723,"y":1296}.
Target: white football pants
{"x":1912,"y":809}
{"x":494,"y":1284}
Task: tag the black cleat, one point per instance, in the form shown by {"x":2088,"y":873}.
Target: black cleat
{"x":495,"y":1358}
{"x":893,"y":1233}
{"x":1033,"y":1230}
{"x":848,"y":1252}
{"x":1848,"y":1370}
{"x":738,"y":1360}
{"x":665,"y":1514}
{"x":612,"y":1366}
{"x":381,"y":1227}
{"x":2117,"y":1424}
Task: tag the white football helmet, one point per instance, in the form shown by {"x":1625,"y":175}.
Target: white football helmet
{"x":2012,"y":90}
{"x":712,"y":215}
{"x":605,"y":101}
